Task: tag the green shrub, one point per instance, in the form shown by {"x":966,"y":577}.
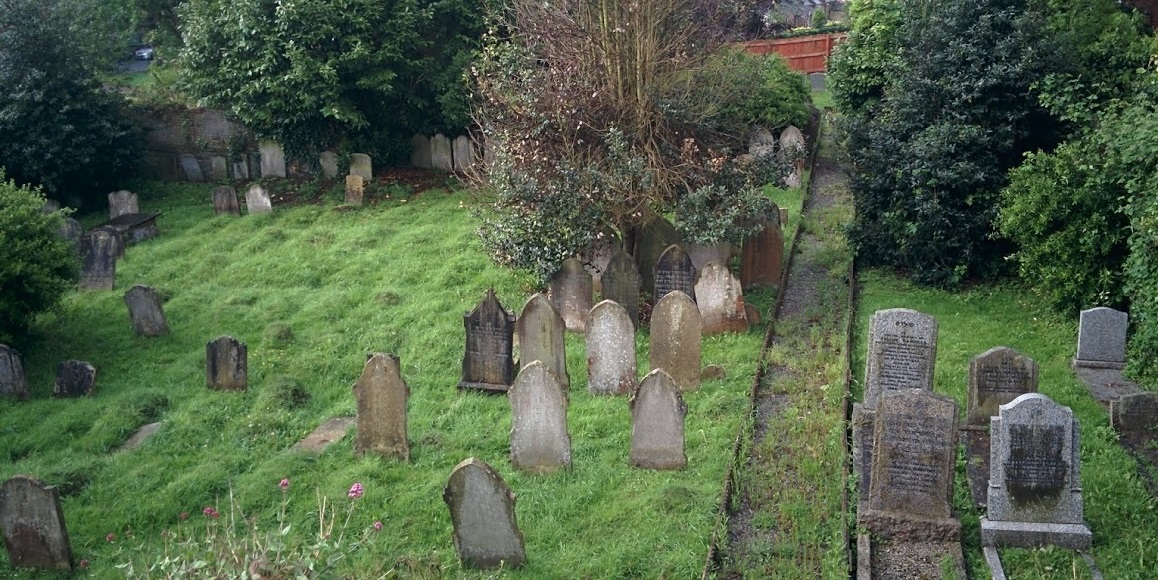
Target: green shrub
{"x":734,"y":91}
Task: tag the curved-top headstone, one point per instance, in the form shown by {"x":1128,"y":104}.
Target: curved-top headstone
{"x":540,"y":331}
{"x":440,"y":154}
{"x":122,"y":203}
{"x":674,"y":272}
{"x":145,"y":313}
{"x":996,"y":377}
{"x":482,"y":511}
{"x":74,"y":378}
{"x":257,"y":200}
{"x":329,"y":162}
{"x":657,"y":423}
{"x":762,"y":253}
{"x":13,"y":382}
{"x":382,"y":394}
{"x":570,"y":290}
{"x":360,"y":164}
{"x":676,"y":339}
{"x":611,"y":367}
{"x":652,"y":240}
{"x":1102,"y":338}
{"x":33,"y":524}
{"x":463,"y":153}
{"x":488,"y":362}
{"x":622,"y":283}
{"x":762,"y":143}
{"x":792,"y":141}
{"x":226,"y":364}
{"x":539,"y":439}
{"x":720,"y":300}
{"x":225,"y":201}
{"x":902,"y":351}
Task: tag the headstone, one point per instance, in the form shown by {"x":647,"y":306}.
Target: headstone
{"x":996,"y":377}
{"x":652,"y":240}
{"x":421,"y":153}
{"x":218,"y":168}
{"x":540,"y":331}
{"x":762,"y":254}
{"x":676,"y":337}
{"x":360,"y":164}
{"x":329,"y":162}
{"x":701,"y":254}
{"x":621,"y":283}
{"x":33,"y":523}
{"x":571,"y":293}
{"x":117,"y":237}
{"x":792,"y":147}
{"x":99,"y":263}
{"x":1102,"y":338}
{"x":191,"y":167}
{"x":488,"y":363}
{"x":71,"y":231}
{"x":257,"y":200}
{"x":122,"y":203}
{"x":13,"y":383}
{"x":74,"y":378}
{"x":595,"y":259}
{"x":482,"y":511}
{"x":488,"y":154}
{"x":440,"y":153}
{"x":143,"y":434}
{"x":610,"y":340}
{"x":272,"y":159}
{"x":355,"y":185}
{"x":464,"y":154}
{"x":539,"y":439}
{"x":902,"y":349}
{"x":816,"y":79}
{"x":762,"y":143}
{"x":145,"y":313}
{"x":1035,"y":486}
{"x":1137,"y":412}
{"x":226,"y":364}
{"x":382,"y":394}
{"x":241,"y":169}
{"x":862,"y":426}
{"x":720,"y":300}
{"x":674,"y":272}
{"x":657,"y":423}
{"x":225,"y":201}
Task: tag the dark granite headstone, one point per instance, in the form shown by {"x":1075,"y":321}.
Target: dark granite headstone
{"x":382,"y":395}
{"x":657,"y":423}
{"x":652,"y":240}
{"x":1102,"y":338}
{"x":676,"y":340}
{"x":539,"y":439}
{"x":99,"y":263}
{"x":482,"y":511}
{"x":225,"y":201}
{"x":488,"y":363}
{"x":621,"y":283}
{"x":33,"y":523}
{"x":226,"y":364}
{"x":570,"y":290}
{"x":540,"y":331}
{"x":610,"y":339}
{"x":13,"y":383}
{"x":762,"y":253}
{"x":996,"y":377}
{"x":1137,"y":412}
{"x":145,"y":313}
{"x":674,"y":272}
{"x":74,"y":378}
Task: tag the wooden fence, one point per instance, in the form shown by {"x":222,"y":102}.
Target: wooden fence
{"x":807,"y":54}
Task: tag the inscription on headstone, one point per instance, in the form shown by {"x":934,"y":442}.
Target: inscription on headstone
{"x":914,"y":455}
{"x":539,"y":439}
{"x":226,"y":364}
{"x":570,"y":290}
{"x":1102,"y":338}
{"x":145,"y":313}
{"x":99,"y":265}
{"x":676,"y":340}
{"x":257,"y":200}
{"x":902,"y":349}
{"x":674,"y":272}
{"x":657,"y":423}
{"x":488,"y":362}
{"x":33,"y":523}
{"x":74,"y":378}
{"x":225,"y":201}
{"x":611,"y":367}
{"x":382,"y":395}
{"x":123,"y":203}
{"x":720,"y":300}
{"x":482,"y":511}
{"x":996,"y":377}
{"x":652,"y":240}
{"x":540,"y":331}
{"x":13,"y":383}
{"x":762,"y":253}
{"x":621,"y":283}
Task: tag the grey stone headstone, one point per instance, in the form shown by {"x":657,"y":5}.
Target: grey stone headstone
{"x":257,"y":200}
{"x":792,"y":146}
{"x":13,"y":382}
{"x":145,"y":313}
{"x":1102,"y":338}
{"x":226,"y":364}
{"x":241,"y":169}
{"x":360,"y":164}
{"x":191,"y":167}
{"x":653,"y":239}
{"x":996,"y":377}
{"x":1137,"y":412}
{"x":762,"y":253}
{"x":482,"y":511}
{"x":99,"y":264}
{"x":225,"y":201}
{"x":329,"y":162}
{"x":676,"y":340}
{"x":902,"y":350}
{"x":355,"y":189}
{"x":123,"y":203}
{"x":420,"y":155}
{"x":488,"y":362}
{"x":611,"y":367}
{"x":440,"y":153}
{"x":622,"y":283}
{"x":218,"y":168}
{"x":720,"y":300}
{"x":674,"y":272}
{"x":463,"y":153}
{"x":74,"y":378}
{"x":701,"y":255}
{"x":539,"y":439}
{"x":570,"y":290}
{"x":272,"y":159}
{"x":762,"y":143}
{"x":657,"y":423}
{"x":816,"y":79}
{"x":914,"y":455}
{"x":118,"y":238}
{"x":33,"y":523}
{"x":382,"y":394}
{"x":540,"y":330}
{"x":71,"y":231}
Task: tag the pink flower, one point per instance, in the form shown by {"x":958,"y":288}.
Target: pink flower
{"x":284,"y":484}
{"x":355,"y":491}
{"x":377,"y":526}
{"x":210,"y":512}
{"x":111,"y":538}
{"x":84,"y":563}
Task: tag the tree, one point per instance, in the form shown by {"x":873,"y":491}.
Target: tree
{"x":862,"y":66}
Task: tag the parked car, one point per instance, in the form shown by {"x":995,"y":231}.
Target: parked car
{"x":144,"y":53}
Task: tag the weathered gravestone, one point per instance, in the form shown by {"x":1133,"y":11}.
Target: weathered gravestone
{"x":674,"y":272}
{"x":621,"y":283}
{"x":816,"y":79}
{"x":1035,"y":486}
{"x":1102,"y":338}
{"x":13,"y":383}
{"x":762,"y":143}
{"x":996,"y":377}
{"x":652,"y":240}
{"x":611,"y":368}
{"x":676,"y":340}
{"x":218,"y":168}
{"x":71,"y":231}
{"x":145,"y":311}
{"x":1137,"y":412}
{"x":355,"y":188}
{"x":122,"y":203}
{"x":902,"y":349}
{"x":463,"y":153}
{"x":539,"y":439}
{"x":595,"y":259}
{"x":440,"y":154}
{"x":570,"y":290}
{"x":241,"y":169}
{"x":33,"y":523}
{"x":488,"y":363}
{"x":74,"y":378}
{"x":360,"y":164}
{"x":482,"y":511}
{"x":720,"y":300}
{"x":257,"y":200}
{"x":792,"y":148}
{"x":99,"y":263}
{"x":226,"y":364}
{"x":657,"y":423}
{"x":762,"y":253}
{"x":328,"y":160}
{"x":382,"y":394}
{"x":421,"y":154}
{"x":272,"y":159}
{"x":702,"y":254}
{"x":191,"y":167}
{"x":225,"y":201}
{"x":540,"y":331}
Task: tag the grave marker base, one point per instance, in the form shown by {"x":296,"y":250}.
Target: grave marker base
{"x":1031,"y":535}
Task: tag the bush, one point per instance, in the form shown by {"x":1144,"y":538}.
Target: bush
{"x":735,"y":91}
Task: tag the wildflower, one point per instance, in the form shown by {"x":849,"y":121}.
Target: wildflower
{"x":210,"y":512}
{"x":377,"y":526}
{"x":355,"y":491}
{"x":284,"y":484}
{"x":184,"y":516}
{"x":111,"y":537}
{"x":84,"y":563}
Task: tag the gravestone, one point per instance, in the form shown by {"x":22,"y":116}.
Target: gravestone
{"x":651,"y":241}
{"x":1137,"y":412}
{"x":657,"y":423}
{"x":71,"y":231}
{"x":329,"y":162}
{"x":74,"y":378}
{"x":257,"y":200}
{"x":440,"y":153}
{"x":720,"y":300}
{"x":610,"y":341}
{"x":99,"y":263}
{"x":996,"y":377}
{"x":570,"y":290}
{"x":816,"y":79}
{"x":13,"y":382}
{"x":355,"y":186}
{"x":792,"y":147}
{"x":145,"y":313}
{"x":762,"y":253}
{"x":1102,"y":338}
{"x":360,"y":164}
{"x":218,"y":168}
{"x":862,"y":425}
{"x":702,"y":255}
{"x":595,"y":259}
{"x":382,"y":394}
{"x":902,"y":349}
{"x":1035,"y":486}
{"x":123,"y":203}
{"x":482,"y":512}
{"x":241,"y":169}
{"x":674,"y":272}
{"x":621,"y":283}
{"x":225,"y":201}
{"x":463,"y":153}
{"x":118,"y":238}
{"x":762,"y":143}
{"x":226,"y":364}
{"x":420,"y":155}
{"x":33,"y":523}
{"x":488,"y":363}
{"x":191,"y":167}
{"x":540,"y":331}
{"x":539,"y":439}
{"x":676,"y":337}
{"x":272,"y":159}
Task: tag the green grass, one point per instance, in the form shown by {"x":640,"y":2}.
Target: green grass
{"x":822,"y":99}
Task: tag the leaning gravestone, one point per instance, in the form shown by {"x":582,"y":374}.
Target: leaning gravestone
{"x":225,"y":201}
{"x":272,"y":159}
{"x":329,"y":162}
{"x":463,"y":153}
{"x":621,"y":283}
{"x":540,"y":331}
{"x":570,"y":290}
{"x":539,"y":439}
{"x":360,"y":164}
{"x":902,"y":349}
{"x":99,"y":264}
{"x":355,"y":188}
{"x":996,"y":377}
{"x":191,"y":167}
{"x":676,"y":337}
{"x":1102,"y":338}
{"x":674,"y":272}
{"x":652,"y":240}
{"x":421,"y":155}
{"x":33,"y":523}
{"x":218,"y":168}
{"x":13,"y":383}
{"x":482,"y":511}
{"x":145,"y":311}
{"x":382,"y":394}
{"x":488,"y":363}
{"x":1035,"y":486}
{"x":720,"y":300}
{"x":123,"y":203}
{"x":611,"y":368}
{"x":440,"y":154}
{"x":257,"y":200}
{"x":657,"y":423}
{"x":74,"y":378}
{"x":71,"y":231}
{"x":762,"y":253}
{"x":762,"y":143}
{"x":1137,"y":412}
{"x":226,"y":364}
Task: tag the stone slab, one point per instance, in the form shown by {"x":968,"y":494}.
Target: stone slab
{"x":1032,"y":535}
{"x":325,"y":435}
{"x":140,"y":436}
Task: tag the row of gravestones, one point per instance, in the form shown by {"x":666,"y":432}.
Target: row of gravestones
{"x":459,"y":155}
{"x":99,"y":248}
{"x":791,"y":147}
